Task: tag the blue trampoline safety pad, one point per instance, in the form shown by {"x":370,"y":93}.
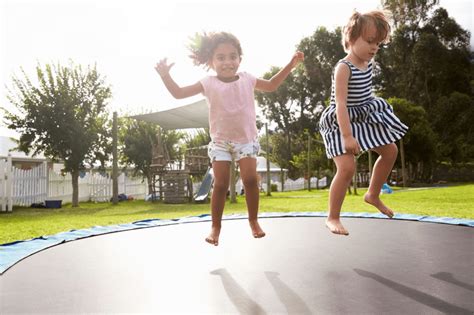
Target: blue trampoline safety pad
{"x":12,"y":253}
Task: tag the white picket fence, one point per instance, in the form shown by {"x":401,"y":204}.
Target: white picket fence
{"x":24,"y":187}
{"x":6,"y":201}
{"x":302,"y":183}
{"x":290,"y":185}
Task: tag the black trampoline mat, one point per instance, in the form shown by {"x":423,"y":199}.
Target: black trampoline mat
{"x":383,"y":267}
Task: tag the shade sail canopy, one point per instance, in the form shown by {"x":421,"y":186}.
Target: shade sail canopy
{"x":194,"y":115}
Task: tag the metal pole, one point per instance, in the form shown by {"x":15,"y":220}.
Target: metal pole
{"x":309,"y":161}
{"x":370,"y":164}
{"x":269,"y":186}
{"x":114,"y":160}
{"x":354,"y":180}
{"x":402,"y":156}
{"x":233,"y":197}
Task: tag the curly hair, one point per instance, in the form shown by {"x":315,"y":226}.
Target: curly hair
{"x":358,"y":24}
{"x":202,"y":46}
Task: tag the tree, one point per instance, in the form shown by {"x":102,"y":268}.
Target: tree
{"x":297,"y":104}
{"x":278,"y":151}
{"x":201,"y":138}
{"x":413,"y":12}
{"x":64,"y":116}
{"x":172,"y":143}
{"x":419,"y":141}
{"x":455,"y":114}
{"x":317,"y":156}
{"x":279,"y":107}
{"x":138,"y":138}
{"x":426,"y":62}
{"x":322,"y":51}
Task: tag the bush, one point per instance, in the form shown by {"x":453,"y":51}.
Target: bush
{"x":274,"y":187}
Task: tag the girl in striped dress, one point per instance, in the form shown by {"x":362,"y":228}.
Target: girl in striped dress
{"x":357,"y":121}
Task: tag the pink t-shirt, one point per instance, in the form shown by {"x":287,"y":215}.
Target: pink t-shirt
{"x":231,"y":108}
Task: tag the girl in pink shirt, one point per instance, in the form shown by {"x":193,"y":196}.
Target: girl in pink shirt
{"x":232,"y":119}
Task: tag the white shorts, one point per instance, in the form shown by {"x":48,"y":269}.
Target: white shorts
{"x":226,"y":150}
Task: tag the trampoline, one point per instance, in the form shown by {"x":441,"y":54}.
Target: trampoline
{"x":383,"y":267}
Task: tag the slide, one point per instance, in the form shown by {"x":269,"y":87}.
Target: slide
{"x":205,"y":187}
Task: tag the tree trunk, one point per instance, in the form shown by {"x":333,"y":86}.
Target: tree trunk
{"x":282,"y":177}
{"x":318,"y":177}
{"x":309,"y":161}
{"x":370,"y":164}
{"x":354,"y":181}
{"x":114,"y":160}
{"x":404,"y":172}
{"x":75,"y":188}
{"x":149,"y":178}
{"x":233,"y":196}
{"x":288,"y":151}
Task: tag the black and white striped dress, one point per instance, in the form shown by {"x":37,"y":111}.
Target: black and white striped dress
{"x":373,"y":122}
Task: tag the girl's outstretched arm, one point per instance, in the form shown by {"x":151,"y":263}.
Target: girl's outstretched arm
{"x":163,"y":69}
{"x":273,"y":84}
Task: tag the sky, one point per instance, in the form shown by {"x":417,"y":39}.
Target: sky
{"x":126,"y":38}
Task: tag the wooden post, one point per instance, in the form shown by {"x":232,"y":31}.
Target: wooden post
{"x":46,"y":181}
{"x":9,"y":184}
{"x":282,"y":179}
{"x":233,"y":198}
{"x":309,"y":161}
{"x":370,"y":164}
{"x":402,"y":156}
{"x":114,"y":160}
{"x":319,"y":176}
{"x":5,"y":183}
{"x":3,"y":177}
{"x":354,"y":180}
{"x":269,"y":184}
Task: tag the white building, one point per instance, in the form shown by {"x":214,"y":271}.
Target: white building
{"x":275,"y":174}
{"x":275,"y":171}
{"x":19,"y":159}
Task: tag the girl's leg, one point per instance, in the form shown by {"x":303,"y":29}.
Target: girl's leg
{"x":219,"y":191}
{"x":345,"y":171}
{"x":248,"y":172}
{"x":382,"y":168}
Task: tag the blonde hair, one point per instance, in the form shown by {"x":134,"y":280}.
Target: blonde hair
{"x":202,"y":46}
{"x":359,"y":23}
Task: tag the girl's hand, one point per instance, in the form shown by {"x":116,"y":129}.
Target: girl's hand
{"x":297,"y":58}
{"x":163,"y":68}
{"x":351,"y":145}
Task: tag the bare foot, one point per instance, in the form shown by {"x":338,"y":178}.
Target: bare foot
{"x":213,"y":237}
{"x":257,"y":231}
{"x":335,"y":226}
{"x":377,"y":203}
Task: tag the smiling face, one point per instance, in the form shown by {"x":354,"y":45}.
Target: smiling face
{"x":225,"y":61}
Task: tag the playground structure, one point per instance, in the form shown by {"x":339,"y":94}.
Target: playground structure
{"x":173,"y":184}
{"x":206,"y":184}
{"x":169,"y":180}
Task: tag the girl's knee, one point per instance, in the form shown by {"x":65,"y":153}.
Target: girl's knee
{"x":346,"y":171}
{"x":250,"y":181}
{"x":395,"y":149}
{"x":346,"y":166}
{"x":220,"y":187}
{"x":391,"y":151}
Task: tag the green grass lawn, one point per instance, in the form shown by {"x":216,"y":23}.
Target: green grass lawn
{"x":25,"y":223}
